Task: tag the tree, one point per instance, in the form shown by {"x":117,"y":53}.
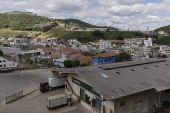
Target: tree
{"x":1,"y":53}
{"x":31,"y":62}
{"x":47,"y":45}
{"x":76,"y":63}
{"x":159,"y":55}
{"x":164,"y":56}
{"x":150,"y":56}
{"x":123,"y":57}
{"x":84,"y":64}
{"x":68,"y":64}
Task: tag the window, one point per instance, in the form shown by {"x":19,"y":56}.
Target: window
{"x":0,"y":65}
{"x":0,"y":61}
{"x":122,"y":103}
{"x":9,"y":64}
{"x":4,"y":65}
{"x":13,"y":64}
{"x":4,"y":61}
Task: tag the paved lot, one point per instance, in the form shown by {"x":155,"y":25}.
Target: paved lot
{"x":35,"y":102}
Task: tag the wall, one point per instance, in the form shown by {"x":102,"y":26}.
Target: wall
{"x":6,"y":63}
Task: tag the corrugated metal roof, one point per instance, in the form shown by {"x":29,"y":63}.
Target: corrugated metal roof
{"x":126,"y":78}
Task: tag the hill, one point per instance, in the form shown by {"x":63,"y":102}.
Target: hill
{"x":82,"y":25}
{"x":165,"y":28}
{"x":26,"y":21}
{"x":163,"y":41}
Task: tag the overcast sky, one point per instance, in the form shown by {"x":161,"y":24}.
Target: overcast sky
{"x":123,"y":14}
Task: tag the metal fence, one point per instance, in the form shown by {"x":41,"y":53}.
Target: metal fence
{"x":14,"y":97}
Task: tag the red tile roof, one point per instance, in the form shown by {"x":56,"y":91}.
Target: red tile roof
{"x":10,"y":54}
{"x":105,"y":55}
{"x":54,"y":56}
{"x":67,"y":50}
{"x":48,"y":49}
{"x":73,"y":55}
{"x":86,"y":59}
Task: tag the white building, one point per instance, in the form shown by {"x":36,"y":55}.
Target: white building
{"x":104,"y":44}
{"x":4,"y":63}
{"x":148,"y":42}
{"x":84,"y":48}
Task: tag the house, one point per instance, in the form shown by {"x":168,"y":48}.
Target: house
{"x":23,"y":46}
{"x":84,"y":48}
{"x":126,"y":87}
{"x":64,"y":54}
{"x":86,"y":59}
{"x":46,"y":50}
{"x":4,"y":63}
{"x":116,"y":42}
{"x":104,"y":58}
{"x":94,"y":29}
{"x":8,"y":50}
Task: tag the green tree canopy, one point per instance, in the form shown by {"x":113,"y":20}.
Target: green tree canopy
{"x":164,"y":56}
{"x":68,"y":64}
{"x":76,"y":63}
{"x":84,"y":64}
{"x":1,"y":53}
{"x":123,"y":57}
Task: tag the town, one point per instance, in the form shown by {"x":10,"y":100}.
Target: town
{"x":90,"y":72}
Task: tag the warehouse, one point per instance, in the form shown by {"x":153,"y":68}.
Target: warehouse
{"x":120,"y":87}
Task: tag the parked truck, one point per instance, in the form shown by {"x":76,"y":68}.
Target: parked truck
{"x":57,"y":101}
{"x":54,"y":83}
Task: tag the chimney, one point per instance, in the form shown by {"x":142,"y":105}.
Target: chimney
{"x":59,"y":53}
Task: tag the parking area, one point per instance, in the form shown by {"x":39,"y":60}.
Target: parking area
{"x":35,"y":102}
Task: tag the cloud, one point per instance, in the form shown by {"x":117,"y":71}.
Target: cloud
{"x":122,"y":14}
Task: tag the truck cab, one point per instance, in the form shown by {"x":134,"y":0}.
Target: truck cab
{"x":44,"y":87}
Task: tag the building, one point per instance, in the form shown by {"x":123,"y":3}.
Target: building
{"x":46,"y":50}
{"x":148,"y":42}
{"x":63,"y":54}
{"x":8,"y":50}
{"x":4,"y":63}
{"x":94,"y":29}
{"x":104,"y":58}
{"x":126,"y":87}
{"x":103,"y":45}
{"x":84,"y":48}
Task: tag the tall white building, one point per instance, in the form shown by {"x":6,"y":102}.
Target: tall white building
{"x":4,"y":63}
{"x":148,"y":42}
{"x":104,"y":44}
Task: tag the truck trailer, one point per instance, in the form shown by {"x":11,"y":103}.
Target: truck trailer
{"x":57,"y":101}
{"x":55,"y":83}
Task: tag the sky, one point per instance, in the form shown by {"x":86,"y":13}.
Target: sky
{"x":122,"y":14}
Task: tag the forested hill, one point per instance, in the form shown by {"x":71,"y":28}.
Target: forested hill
{"x":82,"y":24}
{"x":165,"y":29}
{"x":26,"y":21}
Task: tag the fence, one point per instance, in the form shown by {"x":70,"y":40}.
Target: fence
{"x":14,"y":97}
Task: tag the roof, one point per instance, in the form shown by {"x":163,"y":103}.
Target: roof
{"x":54,"y":56}
{"x":86,"y":59}
{"x":10,"y":54}
{"x":104,"y":55}
{"x":35,"y":47}
{"x":118,"y":80}
{"x":48,"y":49}
{"x":67,"y":50}
{"x":115,"y":41}
{"x":73,"y":55}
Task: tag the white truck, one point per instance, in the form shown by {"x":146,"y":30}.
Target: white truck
{"x":55,"y":83}
{"x":56,"y":101}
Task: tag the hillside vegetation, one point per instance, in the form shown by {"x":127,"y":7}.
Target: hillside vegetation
{"x":163,"y":41}
{"x":82,"y":25}
{"x":165,"y":28}
{"x":26,"y":21}
{"x":86,"y":36}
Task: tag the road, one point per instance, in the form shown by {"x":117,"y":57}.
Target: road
{"x":35,"y":102}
